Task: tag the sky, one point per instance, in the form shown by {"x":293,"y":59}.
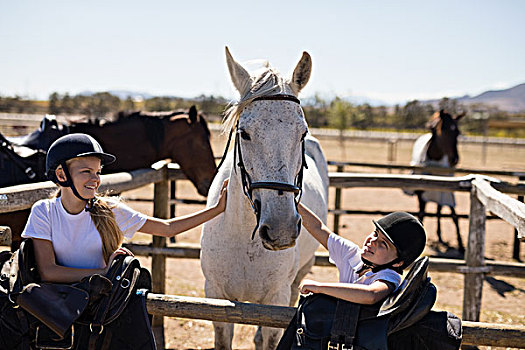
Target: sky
{"x":391,"y":51}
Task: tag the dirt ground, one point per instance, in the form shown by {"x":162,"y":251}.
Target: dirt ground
{"x":503,"y":297}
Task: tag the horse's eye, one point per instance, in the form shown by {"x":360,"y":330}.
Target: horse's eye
{"x":245,"y":135}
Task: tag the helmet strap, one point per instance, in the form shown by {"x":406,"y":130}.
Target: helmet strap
{"x":69,"y":183}
{"x":376,"y":268}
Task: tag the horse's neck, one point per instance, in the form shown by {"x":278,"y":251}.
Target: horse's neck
{"x":434,"y":151}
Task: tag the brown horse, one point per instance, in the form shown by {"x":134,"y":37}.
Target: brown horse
{"x":439,"y":149}
{"x":138,"y":140}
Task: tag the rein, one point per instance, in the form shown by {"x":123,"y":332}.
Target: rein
{"x":247,"y":185}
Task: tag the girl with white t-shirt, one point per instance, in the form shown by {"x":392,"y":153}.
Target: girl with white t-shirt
{"x":78,"y":233}
{"x":369,"y":274}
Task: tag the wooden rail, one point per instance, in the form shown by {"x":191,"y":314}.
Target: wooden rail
{"x":485,"y":195}
{"x":426,"y":169}
{"x":192,"y":251}
{"x":474,"y":333}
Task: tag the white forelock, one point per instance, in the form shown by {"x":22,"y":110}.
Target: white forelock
{"x":268,"y":82}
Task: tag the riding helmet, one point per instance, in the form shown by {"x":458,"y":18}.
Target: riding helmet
{"x":73,"y":146}
{"x":406,"y":233}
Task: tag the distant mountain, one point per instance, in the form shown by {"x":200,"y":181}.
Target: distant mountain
{"x":510,"y":100}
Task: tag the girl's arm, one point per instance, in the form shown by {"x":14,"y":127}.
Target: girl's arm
{"x":172,"y":227}
{"x":314,"y":225}
{"x":356,"y":293}
{"x":51,"y":272}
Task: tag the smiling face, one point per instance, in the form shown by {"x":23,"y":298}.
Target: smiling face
{"x":85,"y":172}
{"x":378,"y":249}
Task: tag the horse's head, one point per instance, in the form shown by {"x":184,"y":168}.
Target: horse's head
{"x":445,"y":134}
{"x":269,"y":147}
{"x":187,"y":140}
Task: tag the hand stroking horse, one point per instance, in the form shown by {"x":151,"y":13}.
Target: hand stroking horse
{"x":439,"y":149}
{"x":255,"y":251}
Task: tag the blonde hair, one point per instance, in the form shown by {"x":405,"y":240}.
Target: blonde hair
{"x":104,"y":220}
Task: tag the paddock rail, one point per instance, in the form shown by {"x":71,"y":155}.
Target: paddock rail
{"x":474,"y":333}
{"x":485,"y":195}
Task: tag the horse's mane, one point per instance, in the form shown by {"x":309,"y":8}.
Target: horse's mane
{"x":268,"y":82}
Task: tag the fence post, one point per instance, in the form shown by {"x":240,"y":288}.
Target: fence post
{"x":392,"y":152}
{"x":158,"y":262}
{"x":516,"y":245}
{"x":173,"y":190}
{"x":474,"y":259}
{"x":337,"y":204}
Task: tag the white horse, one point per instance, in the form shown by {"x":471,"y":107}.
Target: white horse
{"x":271,"y":160}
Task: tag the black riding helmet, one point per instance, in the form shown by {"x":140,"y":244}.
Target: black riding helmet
{"x":406,"y":233}
{"x":73,"y":146}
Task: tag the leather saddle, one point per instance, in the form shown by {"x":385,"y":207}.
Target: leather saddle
{"x":325,"y":322}
{"x":93,"y":305}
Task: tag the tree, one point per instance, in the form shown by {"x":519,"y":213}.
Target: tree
{"x":53,"y":107}
{"x":315,"y":111}
{"x":128,"y":104}
{"x":413,"y":115}
{"x":159,"y":104}
{"x":449,"y":105}
{"x":104,"y":103}
{"x":66,"y":105}
{"x":339,"y":114}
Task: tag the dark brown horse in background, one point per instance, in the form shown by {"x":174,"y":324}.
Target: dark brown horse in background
{"x":439,"y":149}
{"x":138,"y":140}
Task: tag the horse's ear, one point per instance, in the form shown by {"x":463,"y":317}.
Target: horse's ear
{"x":192,"y":113}
{"x":459,"y":116}
{"x":301,"y":73}
{"x":240,"y":77}
{"x":433,"y":122}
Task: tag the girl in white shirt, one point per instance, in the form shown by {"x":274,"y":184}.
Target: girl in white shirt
{"x":369,"y":274}
{"x":78,"y":233}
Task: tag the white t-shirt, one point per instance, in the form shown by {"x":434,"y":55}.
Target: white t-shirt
{"x":347,"y":257}
{"x":75,"y":239}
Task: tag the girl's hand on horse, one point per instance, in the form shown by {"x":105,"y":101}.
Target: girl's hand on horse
{"x":119,"y":251}
{"x":309,"y":286}
{"x":221,"y":205}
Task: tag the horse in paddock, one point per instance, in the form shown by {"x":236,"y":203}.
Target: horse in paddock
{"x":439,"y":149}
{"x":138,"y":140}
{"x":255,"y":251}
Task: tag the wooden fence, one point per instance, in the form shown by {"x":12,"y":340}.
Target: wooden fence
{"x":342,"y":166}
{"x":486,"y":195}
{"x":474,"y":333}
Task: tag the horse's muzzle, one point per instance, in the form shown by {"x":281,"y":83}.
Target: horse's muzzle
{"x":282,"y":237}
{"x":203,"y":187}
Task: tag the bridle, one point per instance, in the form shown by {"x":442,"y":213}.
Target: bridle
{"x":247,"y":185}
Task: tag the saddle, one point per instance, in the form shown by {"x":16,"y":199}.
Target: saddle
{"x":19,"y":162}
{"x":104,"y":311}
{"x":325,"y":322}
